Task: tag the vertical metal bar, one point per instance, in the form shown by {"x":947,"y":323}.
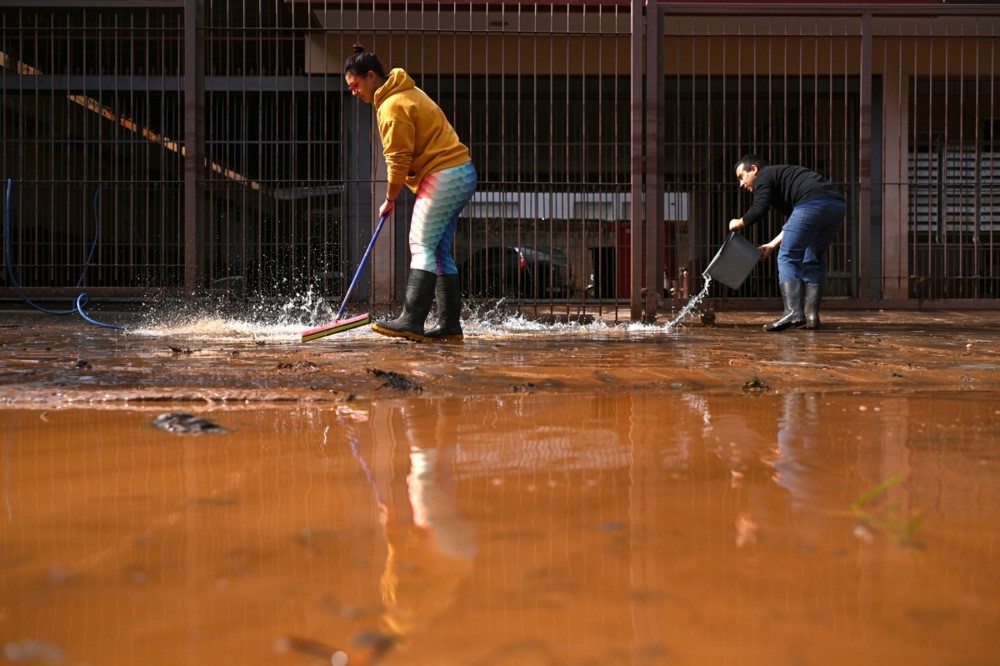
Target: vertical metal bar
{"x":89,"y":123}
{"x":639,"y":58}
{"x":533,"y":134}
{"x":923,"y":250}
{"x":653,"y":274}
{"x":910,"y":232}
{"x":105,"y":144}
{"x":865,"y":161}
{"x":895,"y":227}
{"x":993,"y":263}
{"x":726,"y":137}
{"x":598,"y":182}
{"x":786,"y":148}
{"x":568,"y":139}
{"x":776,"y":112}
{"x":963,"y":278}
{"x":552,"y":132}
{"x":651,"y":235}
{"x":945,"y":236}
{"x":52,"y":176}
{"x":253,"y":211}
{"x":194,"y":138}
{"x":20,"y":195}
{"x":386,"y":279}
{"x":977,"y":202}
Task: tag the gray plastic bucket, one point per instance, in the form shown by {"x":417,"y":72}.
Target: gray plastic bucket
{"x":733,"y":262}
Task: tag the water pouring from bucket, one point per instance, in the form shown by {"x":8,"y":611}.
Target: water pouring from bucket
{"x":731,"y":265}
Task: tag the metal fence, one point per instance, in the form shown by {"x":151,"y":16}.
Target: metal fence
{"x":259,"y":175}
{"x":91,"y":147}
{"x":897,"y":105}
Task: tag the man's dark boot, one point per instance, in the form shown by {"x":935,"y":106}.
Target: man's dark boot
{"x":791,"y":294}
{"x":448,"y":295}
{"x":814,"y":294}
{"x":419,"y":295}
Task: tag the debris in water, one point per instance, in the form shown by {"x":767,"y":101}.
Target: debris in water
{"x":864,"y":533}
{"x":306,"y":646}
{"x":304,"y":366}
{"x":375,"y":643}
{"x":368,"y":647}
{"x":524,"y":388}
{"x":181,"y":423}
{"x":755,"y":385}
{"x":396,"y":381}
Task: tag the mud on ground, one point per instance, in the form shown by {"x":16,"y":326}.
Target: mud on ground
{"x":65,"y":360}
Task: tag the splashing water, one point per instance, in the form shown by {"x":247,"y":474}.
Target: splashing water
{"x":692,"y":304}
{"x":275,"y":322}
{"x":283,"y":323}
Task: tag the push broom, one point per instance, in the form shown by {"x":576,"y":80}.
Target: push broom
{"x":339,"y":325}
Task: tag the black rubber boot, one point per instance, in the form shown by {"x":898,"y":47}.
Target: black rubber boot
{"x":791,"y":294}
{"x":448,"y":295}
{"x":814,"y":294}
{"x":410,"y":324}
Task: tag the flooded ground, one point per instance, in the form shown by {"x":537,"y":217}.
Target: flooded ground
{"x":539,"y":495}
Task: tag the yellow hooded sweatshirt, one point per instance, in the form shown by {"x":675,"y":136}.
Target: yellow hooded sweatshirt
{"x":417,"y":138}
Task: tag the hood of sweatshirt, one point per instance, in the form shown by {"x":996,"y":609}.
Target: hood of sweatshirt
{"x":398,"y":81}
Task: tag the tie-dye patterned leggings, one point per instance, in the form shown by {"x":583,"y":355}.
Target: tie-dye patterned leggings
{"x":440,"y":200}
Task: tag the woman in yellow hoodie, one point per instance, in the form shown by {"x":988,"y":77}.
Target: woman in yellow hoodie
{"x":422,"y":152}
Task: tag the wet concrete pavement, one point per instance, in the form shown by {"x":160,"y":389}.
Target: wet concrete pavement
{"x":222,"y":360}
{"x":537,"y":495}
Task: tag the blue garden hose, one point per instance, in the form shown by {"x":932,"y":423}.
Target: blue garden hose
{"x":12,"y":273}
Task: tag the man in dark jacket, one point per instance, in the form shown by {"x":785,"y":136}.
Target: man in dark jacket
{"x":815,"y":209}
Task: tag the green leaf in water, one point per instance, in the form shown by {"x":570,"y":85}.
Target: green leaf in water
{"x":897,"y":527}
{"x":877,"y":490}
{"x":911,"y":525}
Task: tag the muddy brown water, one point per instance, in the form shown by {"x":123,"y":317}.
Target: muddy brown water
{"x":550,"y":495}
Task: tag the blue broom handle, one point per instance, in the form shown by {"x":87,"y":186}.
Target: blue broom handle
{"x":361,"y":264}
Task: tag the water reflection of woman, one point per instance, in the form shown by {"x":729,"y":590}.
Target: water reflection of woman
{"x":429,"y":558}
{"x":431,"y":547}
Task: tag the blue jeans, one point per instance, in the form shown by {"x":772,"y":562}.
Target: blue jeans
{"x":808,"y":234}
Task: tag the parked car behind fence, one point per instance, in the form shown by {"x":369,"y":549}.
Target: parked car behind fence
{"x":517,"y":272}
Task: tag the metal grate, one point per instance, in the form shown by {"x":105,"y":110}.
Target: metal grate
{"x":90,"y":143}
{"x":784,"y":87}
{"x":898,"y":106}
